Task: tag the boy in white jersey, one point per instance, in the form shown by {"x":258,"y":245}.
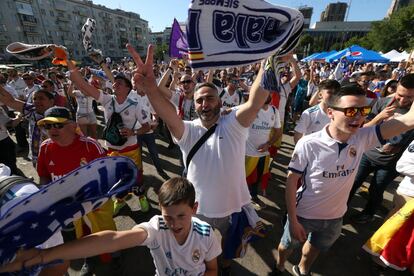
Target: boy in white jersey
{"x":327,"y":162}
{"x":315,"y":118}
{"x":179,"y":243}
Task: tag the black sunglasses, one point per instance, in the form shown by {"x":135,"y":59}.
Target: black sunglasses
{"x":55,"y":125}
{"x":186,"y":81}
{"x":353,"y":111}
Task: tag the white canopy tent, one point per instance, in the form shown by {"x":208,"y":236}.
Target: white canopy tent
{"x":395,"y":56}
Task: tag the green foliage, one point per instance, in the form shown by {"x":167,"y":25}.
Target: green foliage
{"x":396,"y":32}
{"x":161,"y":51}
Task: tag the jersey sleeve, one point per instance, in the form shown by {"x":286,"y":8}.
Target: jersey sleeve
{"x":299,"y":160}
{"x":303,"y":123}
{"x":405,"y":164}
{"x":152,"y":229}
{"x":97,"y":150}
{"x":144,"y":114}
{"x":104,"y":99}
{"x":214,"y":249}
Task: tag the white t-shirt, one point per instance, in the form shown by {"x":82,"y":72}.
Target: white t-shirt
{"x":28,"y":92}
{"x":171,"y":258}
{"x":187,"y":106}
{"x":259,"y":131}
{"x":328,"y":168}
{"x":228,"y":100}
{"x":145,"y":103}
{"x":18,"y":85}
{"x":405,"y":166}
{"x":312,"y":120}
{"x":84,"y":103}
{"x":133,"y":115}
{"x":284,"y":94}
{"x":217,"y":169}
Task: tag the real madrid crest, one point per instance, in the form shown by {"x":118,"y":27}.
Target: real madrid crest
{"x":352,"y":152}
{"x":411,"y":148}
{"x":83,"y":161}
{"x":196,"y":255}
{"x":126,"y":112}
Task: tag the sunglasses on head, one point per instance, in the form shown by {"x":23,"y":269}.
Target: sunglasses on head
{"x":55,"y":125}
{"x":353,"y":111}
{"x":186,"y":81}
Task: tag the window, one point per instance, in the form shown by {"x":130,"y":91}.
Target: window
{"x":42,"y":12}
{"x":51,"y":13}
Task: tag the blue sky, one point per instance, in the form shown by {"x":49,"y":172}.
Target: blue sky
{"x":160,"y":13}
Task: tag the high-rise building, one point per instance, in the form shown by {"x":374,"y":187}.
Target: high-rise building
{"x":397,"y":4}
{"x":60,"y":22}
{"x":307,"y":15}
{"x":334,"y":12}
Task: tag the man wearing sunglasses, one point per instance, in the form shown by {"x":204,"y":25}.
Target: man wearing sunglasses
{"x":382,"y":160}
{"x":326,"y":163}
{"x":64,"y":152}
{"x":231,"y":96}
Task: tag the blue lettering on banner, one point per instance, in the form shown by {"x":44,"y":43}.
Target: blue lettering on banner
{"x":194,"y":42}
{"x":222,"y":3}
{"x":244,"y":28}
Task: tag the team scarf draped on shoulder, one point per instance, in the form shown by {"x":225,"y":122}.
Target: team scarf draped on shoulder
{"x":32,"y":220}
{"x":239,"y":32}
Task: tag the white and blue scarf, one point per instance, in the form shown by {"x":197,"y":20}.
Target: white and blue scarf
{"x":238,"y":32}
{"x":33,"y":219}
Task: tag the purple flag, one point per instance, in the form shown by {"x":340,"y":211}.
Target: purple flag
{"x":178,"y":41}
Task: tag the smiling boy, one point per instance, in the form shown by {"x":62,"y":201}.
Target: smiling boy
{"x":179,"y":243}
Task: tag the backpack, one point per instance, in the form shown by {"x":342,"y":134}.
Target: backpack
{"x":115,"y":123}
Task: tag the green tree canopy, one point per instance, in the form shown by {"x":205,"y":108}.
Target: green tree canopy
{"x":396,"y":32}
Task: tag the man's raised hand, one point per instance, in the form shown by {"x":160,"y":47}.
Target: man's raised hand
{"x":143,"y":75}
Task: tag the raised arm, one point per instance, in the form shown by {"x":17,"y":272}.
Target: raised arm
{"x":10,"y":101}
{"x":92,"y":245}
{"x":246,"y":113}
{"x":398,"y":125}
{"x":144,"y":77}
{"x":81,"y":84}
{"x":296,"y":72}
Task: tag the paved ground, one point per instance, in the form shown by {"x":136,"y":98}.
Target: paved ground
{"x":345,"y":258}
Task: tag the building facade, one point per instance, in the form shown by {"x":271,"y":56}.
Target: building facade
{"x":307,"y":15}
{"x":334,"y":12}
{"x":60,"y":22}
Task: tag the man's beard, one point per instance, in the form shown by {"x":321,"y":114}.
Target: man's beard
{"x":215,"y":112}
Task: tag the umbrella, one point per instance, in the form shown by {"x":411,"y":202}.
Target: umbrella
{"x":321,"y":56}
{"x":357,"y":53}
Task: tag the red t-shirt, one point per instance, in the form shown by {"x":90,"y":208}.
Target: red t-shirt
{"x":55,"y":161}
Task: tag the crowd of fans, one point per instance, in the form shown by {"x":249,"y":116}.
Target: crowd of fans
{"x":356,"y":116}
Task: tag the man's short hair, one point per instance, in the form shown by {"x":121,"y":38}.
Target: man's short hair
{"x":407,"y":81}
{"x":206,"y":84}
{"x":49,"y":95}
{"x":175,"y":191}
{"x":126,"y":80}
{"x":346,"y":90}
{"x":329,"y":85}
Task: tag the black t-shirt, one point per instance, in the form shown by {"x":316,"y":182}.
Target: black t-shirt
{"x":376,"y":155}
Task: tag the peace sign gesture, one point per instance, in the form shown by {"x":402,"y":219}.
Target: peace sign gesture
{"x":143,"y":75}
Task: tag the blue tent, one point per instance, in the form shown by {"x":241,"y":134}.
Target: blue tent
{"x":306,"y":59}
{"x":323,"y":55}
{"x":357,"y":53}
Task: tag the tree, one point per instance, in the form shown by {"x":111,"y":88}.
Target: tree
{"x":361,"y":41}
{"x":396,"y":32}
{"x":161,"y":51}
{"x":305,"y":41}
